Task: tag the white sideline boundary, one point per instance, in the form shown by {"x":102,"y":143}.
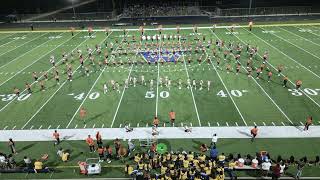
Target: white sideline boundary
{"x":241,"y":132}
{"x":170,"y":28}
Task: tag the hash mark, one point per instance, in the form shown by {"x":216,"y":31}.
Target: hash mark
{"x":94,"y":125}
{"x":5,"y":128}
{"x":227,"y":123}
{"x":31,"y":127}
{"x":138,"y":125}
{"x":120,"y":125}
{"x":283,"y":123}
{"x":218,"y":124}
{"x":264,"y":123}
{"x":102,"y":126}
{"x":301,"y":123}
{"x":273,"y":124}
{"x":40,"y":127}
{"x":237,"y":124}
{"x":58,"y":126}
{"x":84,"y":126}
{"x":76,"y":126}
{"x":49,"y":127}
{"x":209,"y":124}
{"x":13,"y":127}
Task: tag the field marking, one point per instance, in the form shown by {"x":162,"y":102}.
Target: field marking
{"x":264,"y":89}
{"x":30,"y":50}
{"x":54,"y":92}
{"x":281,"y":73}
{"x":225,"y":87}
{"x":284,"y":54}
{"x":158,"y":77}
{"x":295,"y":45}
{"x":33,"y":62}
{"x":194,"y":101}
{"x":24,"y":44}
{"x":7,"y":36}
{"x":299,"y":36}
{"x":124,"y":89}
{"x":49,"y":127}
{"x":94,"y":84}
{"x":9,"y":42}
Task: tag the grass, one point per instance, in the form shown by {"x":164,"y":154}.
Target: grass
{"x":233,"y":100}
{"x":79,"y":152}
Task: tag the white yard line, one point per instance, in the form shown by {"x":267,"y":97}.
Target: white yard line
{"x":299,"y":36}
{"x":94,"y":84}
{"x":33,"y":82}
{"x":286,"y":55}
{"x":26,"y":43}
{"x":194,"y":101}
{"x":124,"y":89}
{"x":263,"y":88}
{"x":8,"y":42}
{"x":56,"y":90}
{"x":281,"y":73}
{"x":34,"y":62}
{"x":158,"y":77}
{"x":225,"y":87}
{"x":30,"y":50}
{"x":8,"y":36}
{"x":294,"y":45}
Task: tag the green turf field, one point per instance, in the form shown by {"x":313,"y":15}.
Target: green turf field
{"x":233,"y":100}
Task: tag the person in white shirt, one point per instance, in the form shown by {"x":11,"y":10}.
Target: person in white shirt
{"x":214,"y":139}
{"x":60,"y":152}
{"x":265,"y":166}
{"x":282,"y":167}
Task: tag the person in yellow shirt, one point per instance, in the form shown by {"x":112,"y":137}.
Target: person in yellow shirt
{"x":190,"y":156}
{"x":129,"y":169}
{"x":38,"y":165}
{"x":221,"y":159}
{"x":137,"y":158}
{"x":202,"y":157}
{"x":186,"y":163}
{"x":183,"y":175}
{"x":65,"y":156}
{"x":163,"y":169}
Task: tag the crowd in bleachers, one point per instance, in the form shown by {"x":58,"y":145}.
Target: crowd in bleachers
{"x":192,"y":165}
{"x":151,"y":10}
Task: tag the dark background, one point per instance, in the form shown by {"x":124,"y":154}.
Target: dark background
{"x":41,"y":6}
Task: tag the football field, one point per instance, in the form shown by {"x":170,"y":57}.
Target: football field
{"x":231,"y":100}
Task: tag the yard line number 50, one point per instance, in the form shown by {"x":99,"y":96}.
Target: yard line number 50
{"x":162,"y":94}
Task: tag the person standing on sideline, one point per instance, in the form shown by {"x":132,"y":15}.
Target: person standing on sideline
{"x":308,"y":123}
{"x":214,"y":140}
{"x":254,"y":132}
{"x":56,"y":137}
{"x":90,"y":143}
{"x":99,"y":139}
{"x":131,"y":147}
{"x":299,"y":170}
{"x":12,"y":146}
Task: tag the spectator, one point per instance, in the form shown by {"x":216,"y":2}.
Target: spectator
{"x":248,"y":160}
{"x":282,"y":168}
{"x":276,"y":171}
{"x":299,"y":170}
{"x":214,"y":153}
{"x":59,"y":152}
{"x":56,"y":137}
{"x":12,"y":146}
{"x":90,"y":143}
{"x":108,"y":153}
{"x":203,"y":148}
{"x":117,"y":145}
{"x":27,"y":162}
{"x":38,"y":165}
{"x":214,"y":139}
{"x":65,"y":156}
{"x":131,"y":147}
{"x":11,"y":161}
{"x":2,"y":158}
{"x":99,"y":139}
{"x":222,"y":159}
{"x":101,"y":153}
{"x":265,"y":167}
